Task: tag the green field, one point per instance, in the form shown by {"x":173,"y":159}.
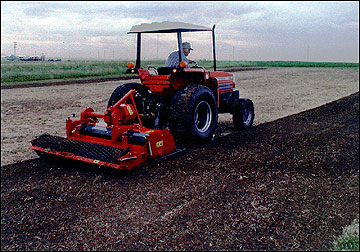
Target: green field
{"x":30,"y":72}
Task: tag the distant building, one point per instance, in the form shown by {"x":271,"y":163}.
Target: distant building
{"x":12,"y":57}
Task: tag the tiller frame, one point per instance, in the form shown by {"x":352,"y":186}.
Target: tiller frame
{"x":124,"y":135}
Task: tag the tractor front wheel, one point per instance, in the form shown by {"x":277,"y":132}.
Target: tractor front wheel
{"x":122,"y":90}
{"x":244,"y":114}
{"x":193,"y":114}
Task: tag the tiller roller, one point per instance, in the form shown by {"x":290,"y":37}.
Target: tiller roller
{"x":122,"y":144}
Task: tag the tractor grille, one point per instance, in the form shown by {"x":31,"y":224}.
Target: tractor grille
{"x":79,"y":148}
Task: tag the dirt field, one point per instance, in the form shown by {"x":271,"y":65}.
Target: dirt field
{"x":276,"y":92}
{"x":289,"y":184}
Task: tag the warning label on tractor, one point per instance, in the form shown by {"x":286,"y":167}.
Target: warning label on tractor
{"x":129,"y":109}
{"x":160,"y":144}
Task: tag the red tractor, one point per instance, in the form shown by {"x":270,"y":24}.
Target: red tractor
{"x":146,"y":120}
{"x":185,"y":100}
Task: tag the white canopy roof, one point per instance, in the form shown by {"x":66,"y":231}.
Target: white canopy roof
{"x":167,"y":27}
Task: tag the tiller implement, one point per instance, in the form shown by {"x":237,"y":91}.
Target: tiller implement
{"x":123,"y":144}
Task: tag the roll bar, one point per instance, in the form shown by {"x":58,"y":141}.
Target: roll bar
{"x":179,"y":38}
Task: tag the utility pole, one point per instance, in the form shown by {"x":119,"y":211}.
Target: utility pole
{"x":157,"y":47}
{"x":307,"y":52}
{"x":15,"y":44}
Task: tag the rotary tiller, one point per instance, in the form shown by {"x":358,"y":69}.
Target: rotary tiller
{"x":122,"y":144}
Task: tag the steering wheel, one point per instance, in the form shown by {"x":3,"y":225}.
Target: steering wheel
{"x":149,"y":67}
{"x":194,"y":66}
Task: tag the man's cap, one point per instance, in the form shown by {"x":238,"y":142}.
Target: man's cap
{"x":186,"y":45}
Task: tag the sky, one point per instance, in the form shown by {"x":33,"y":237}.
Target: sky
{"x":289,"y":31}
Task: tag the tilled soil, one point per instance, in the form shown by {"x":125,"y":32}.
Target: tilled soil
{"x":290,"y":184}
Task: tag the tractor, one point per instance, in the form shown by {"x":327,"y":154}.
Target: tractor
{"x":185,"y":100}
{"x":170,"y":107}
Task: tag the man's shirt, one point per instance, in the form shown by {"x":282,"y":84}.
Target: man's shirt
{"x":173,"y":60}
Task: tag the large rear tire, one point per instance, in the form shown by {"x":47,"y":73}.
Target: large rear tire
{"x":193,"y":114}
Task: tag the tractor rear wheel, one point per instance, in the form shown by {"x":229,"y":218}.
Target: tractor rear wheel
{"x":244,"y":114}
{"x":193,"y":114}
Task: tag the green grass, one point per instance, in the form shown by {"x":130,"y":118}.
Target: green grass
{"x":294,"y":64}
{"x":29,"y":72}
{"x":349,"y":240}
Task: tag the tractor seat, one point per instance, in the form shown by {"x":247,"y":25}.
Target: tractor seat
{"x":165,"y":70}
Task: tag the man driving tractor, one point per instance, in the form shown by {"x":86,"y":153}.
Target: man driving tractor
{"x":173,"y":59}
